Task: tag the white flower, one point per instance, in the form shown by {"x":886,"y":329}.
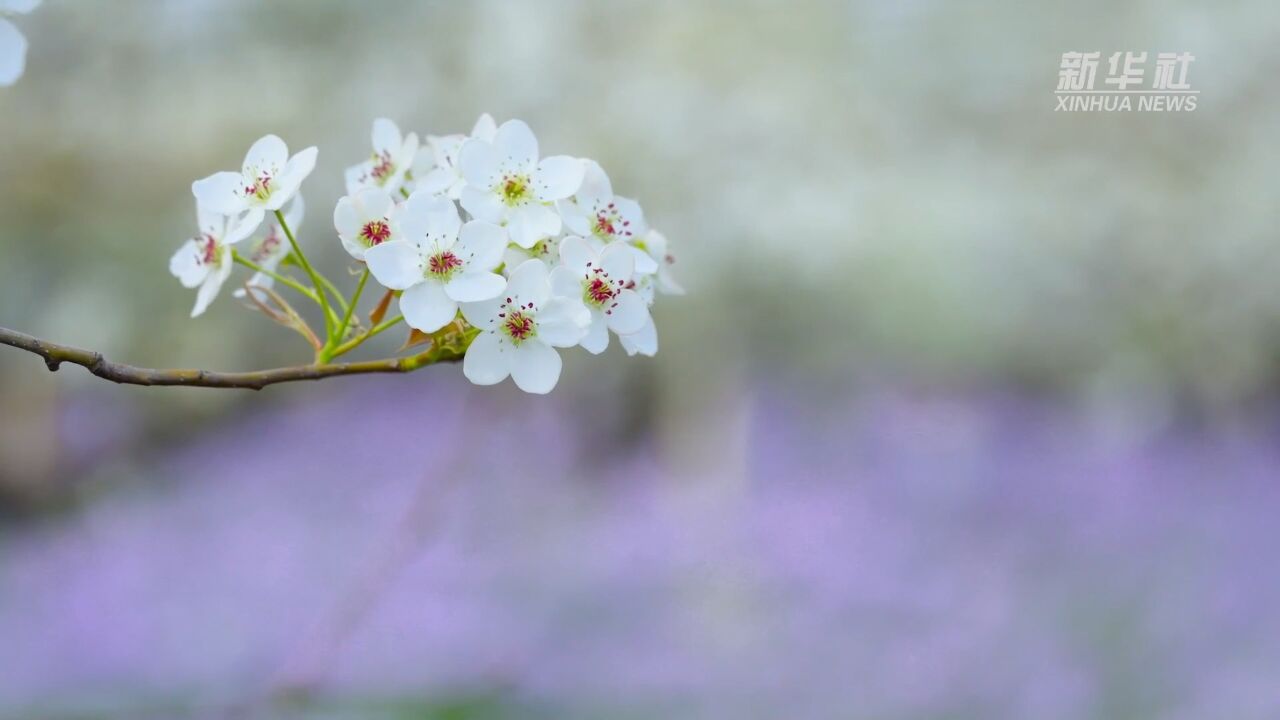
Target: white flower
{"x":205,"y":261}
{"x":644,"y":341}
{"x":268,"y":248}
{"x":547,"y":250}
{"x":440,"y":263}
{"x":13,"y":44}
{"x":507,"y":185}
{"x":393,"y":157}
{"x":365,"y":220}
{"x":436,"y":167}
{"x":519,"y":331}
{"x":595,"y":212}
{"x":655,"y":244}
{"x":268,"y":179}
{"x":602,"y":280}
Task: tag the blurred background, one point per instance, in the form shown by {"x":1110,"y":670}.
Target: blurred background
{"x":971,"y":410}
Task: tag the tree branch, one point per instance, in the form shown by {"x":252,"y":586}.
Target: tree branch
{"x":54,"y":355}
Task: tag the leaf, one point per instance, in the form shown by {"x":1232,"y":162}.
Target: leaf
{"x":380,"y":311}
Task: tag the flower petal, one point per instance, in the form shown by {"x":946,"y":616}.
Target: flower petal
{"x":430,"y":221}
{"x":483,"y":314}
{"x":397,"y":265}
{"x":485,"y":128}
{"x":221,"y":192}
{"x":186,"y":266}
{"x":596,"y":340}
{"x":530,"y":223}
{"x":478,"y":161}
{"x":482,"y":204}
{"x":618,"y":261}
{"x":297,"y":170}
{"x":535,"y":367}
{"x":480,"y":244}
{"x":566,"y":282}
{"x":486,"y":361}
{"x":426,"y":307}
{"x":576,"y":254}
{"x":269,"y":154}
{"x":529,"y":283}
{"x":13,"y":53}
{"x":627,"y":314}
{"x":644,"y":342}
{"x":515,"y":147}
{"x":596,"y":190}
{"x":239,"y":228}
{"x":475,"y":286}
{"x":557,"y":177}
{"x":385,"y":136}
{"x":563,"y":322}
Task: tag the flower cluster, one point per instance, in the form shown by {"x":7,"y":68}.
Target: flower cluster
{"x":478,"y":235}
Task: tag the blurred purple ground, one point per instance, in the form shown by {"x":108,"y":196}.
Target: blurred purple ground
{"x":894,"y":555}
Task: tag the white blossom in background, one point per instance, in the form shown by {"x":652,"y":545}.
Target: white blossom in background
{"x":268,"y":247}
{"x":436,"y":169}
{"x":205,"y":261}
{"x":393,"y":158}
{"x":642,"y":342}
{"x":602,"y":280}
{"x":520,"y":329}
{"x":595,"y":212}
{"x":506,"y":184}
{"x":654,"y":244}
{"x":13,"y":44}
{"x":439,"y":262}
{"x":366,"y":219}
{"x":268,"y":179}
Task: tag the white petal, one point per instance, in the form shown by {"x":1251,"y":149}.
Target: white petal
{"x":486,"y":361}
{"x":397,"y":265}
{"x":430,"y":220}
{"x":221,"y":192}
{"x":241,"y":227}
{"x":478,"y":162}
{"x":627,"y":314}
{"x":595,"y":191}
{"x":483,"y":314}
{"x":577,"y":255}
{"x":529,"y":283}
{"x":296,"y":212}
{"x":374,"y":204}
{"x":596,"y":340}
{"x":426,"y":307}
{"x":644,"y":262}
{"x":475,"y":286}
{"x":530,"y":223}
{"x":557,"y":177}
{"x":297,"y":170}
{"x":482,"y":204}
{"x":515,"y":147}
{"x":535,"y":367}
{"x":186,"y":265}
{"x":436,"y":181}
{"x":485,"y":128}
{"x":631,"y":213}
{"x":357,"y":177}
{"x":563,"y":322}
{"x":575,"y":217}
{"x":644,"y":342}
{"x":480,"y":245}
{"x":566,"y":282}
{"x":346,"y":219}
{"x":385,"y":136}
{"x":13,"y":53}
{"x":211,"y":286}
{"x":269,"y":154}
{"x":618,"y":262}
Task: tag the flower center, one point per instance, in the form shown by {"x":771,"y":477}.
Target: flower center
{"x":375,"y":232}
{"x":517,"y":322}
{"x":210,"y":250}
{"x":514,"y":189}
{"x":442,"y":265}
{"x":268,"y":246}
{"x":610,"y":223}
{"x":598,"y":290}
{"x":260,"y":188}
{"x":382,"y":168}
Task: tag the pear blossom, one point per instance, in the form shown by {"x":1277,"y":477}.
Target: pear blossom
{"x":267,"y":180}
{"x":654,"y":244}
{"x":268,"y":248}
{"x":13,"y":44}
{"x":440,"y":262}
{"x":595,"y":212}
{"x":643,"y":342}
{"x":366,"y":219}
{"x":508,"y":185}
{"x":520,"y":329}
{"x":393,"y":156}
{"x":547,"y":250}
{"x":601,"y":279}
{"x":205,"y":261}
{"x":437,"y":168}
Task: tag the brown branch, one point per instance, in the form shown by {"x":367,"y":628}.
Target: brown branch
{"x":55,"y":354}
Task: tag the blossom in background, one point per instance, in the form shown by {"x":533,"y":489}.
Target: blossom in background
{"x":268,"y":248}
{"x":393,"y":156}
{"x":506,"y":184}
{"x":13,"y":44}
{"x":268,"y":180}
{"x":595,"y":212}
{"x":654,"y":244}
{"x":520,"y":329}
{"x":366,"y":219}
{"x":601,"y":279}
{"x":643,"y":341}
{"x":205,"y":261}
{"x":436,"y":168}
{"x":439,"y":262}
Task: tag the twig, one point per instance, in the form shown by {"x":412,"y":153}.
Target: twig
{"x":55,"y":354}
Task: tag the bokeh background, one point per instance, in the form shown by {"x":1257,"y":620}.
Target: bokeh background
{"x":970,"y":411}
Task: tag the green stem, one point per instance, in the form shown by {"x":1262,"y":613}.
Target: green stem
{"x":282,"y":279}
{"x":333,"y":290}
{"x":311,"y":273}
{"x":351,"y":309}
{"x":359,"y":340}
